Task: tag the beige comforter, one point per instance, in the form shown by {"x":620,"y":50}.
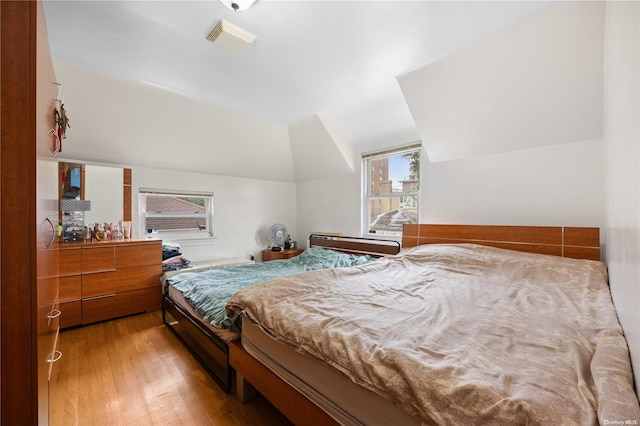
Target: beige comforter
{"x":462,"y":334}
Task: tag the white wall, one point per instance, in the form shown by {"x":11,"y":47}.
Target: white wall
{"x":622,"y":167}
{"x":320,"y":149}
{"x":554,"y":185}
{"x":244,"y":209}
{"x":536,"y":83}
{"x":171,"y":141}
{"x":120,"y":121}
{"x":329,"y":205}
{"x":551,"y":186}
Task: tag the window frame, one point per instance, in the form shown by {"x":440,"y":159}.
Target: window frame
{"x":366,"y":186}
{"x":176,"y":234}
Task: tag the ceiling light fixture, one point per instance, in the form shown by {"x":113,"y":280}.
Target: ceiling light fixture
{"x":238,"y":5}
{"x":230,"y":37}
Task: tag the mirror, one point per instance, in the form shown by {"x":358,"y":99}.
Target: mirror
{"x":71,"y":181}
{"x":102,"y":185}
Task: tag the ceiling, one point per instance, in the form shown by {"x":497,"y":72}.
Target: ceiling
{"x":340,"y":59}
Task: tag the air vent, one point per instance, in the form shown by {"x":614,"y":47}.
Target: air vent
{"x":233,"y":38}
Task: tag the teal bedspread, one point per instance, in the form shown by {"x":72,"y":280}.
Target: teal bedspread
{"x":208,"y":292}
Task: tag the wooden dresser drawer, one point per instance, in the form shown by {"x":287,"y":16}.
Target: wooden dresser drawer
{"x":121,"y":280}
{"x":71,"y":313}
{"x":46,"y":292}
{"x":108,"y":279}
{"x":98,"y":259}
{"x":120,"y":304}
{"x":131,"y":255}
{"x":70,"y":288}
{"x":48,"y":319}
{"x":140,"y":277}
{"x":70,"y":261}
{"x":47,"y":263}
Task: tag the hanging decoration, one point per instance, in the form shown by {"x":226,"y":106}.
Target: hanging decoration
{"x":61,"y":120}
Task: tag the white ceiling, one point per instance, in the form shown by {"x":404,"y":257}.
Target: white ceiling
{"x":340,"y":59}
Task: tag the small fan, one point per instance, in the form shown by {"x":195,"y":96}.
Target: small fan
{"x":277,"y":235}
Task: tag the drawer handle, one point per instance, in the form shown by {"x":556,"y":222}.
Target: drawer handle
{"x":98,"y":297}
{"x":53,"y":233}
{"x":54,"y":314}
{"x":54,"y":357}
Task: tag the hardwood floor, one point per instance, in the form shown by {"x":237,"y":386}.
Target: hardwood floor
{"x":133,"y":371}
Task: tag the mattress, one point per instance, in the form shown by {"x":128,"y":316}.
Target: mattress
{"x":205,"y":265}
{"x":178,"y":298}
{"x":461,"y":334}
{"x":346,"y":402}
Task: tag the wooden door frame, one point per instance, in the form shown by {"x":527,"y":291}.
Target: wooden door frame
{"x":18,"y":332}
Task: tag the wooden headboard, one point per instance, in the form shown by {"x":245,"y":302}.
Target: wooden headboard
{"x":355,"y":245}
{"x":578,"y":243}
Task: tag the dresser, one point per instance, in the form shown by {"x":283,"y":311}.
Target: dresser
{"x":109,"y":279}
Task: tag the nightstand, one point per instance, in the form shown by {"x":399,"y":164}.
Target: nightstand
{"x":279,"y":255}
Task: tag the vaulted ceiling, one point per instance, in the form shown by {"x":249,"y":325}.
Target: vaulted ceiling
{"x":338,"y":58}
{"x":330,"y":64}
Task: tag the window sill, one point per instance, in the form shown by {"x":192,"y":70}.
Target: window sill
{"x":182,"y":240}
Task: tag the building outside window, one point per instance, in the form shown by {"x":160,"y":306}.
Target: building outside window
{"x":176,"y":214}
{"x":391,"y":189}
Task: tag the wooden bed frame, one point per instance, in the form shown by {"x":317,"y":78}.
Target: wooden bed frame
{"x":212,"y":351}
{"x":580,"y":243}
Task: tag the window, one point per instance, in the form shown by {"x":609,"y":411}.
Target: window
{"x":391,"y":189}
{"x":176,"y":214}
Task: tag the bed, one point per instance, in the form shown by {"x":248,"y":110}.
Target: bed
{"x":467,"y":325}
{"x":193,"y":306}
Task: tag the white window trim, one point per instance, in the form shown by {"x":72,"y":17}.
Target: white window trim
{"x":392,"y":151}
{"x":366,"y":184}
{"x":175,"y":235}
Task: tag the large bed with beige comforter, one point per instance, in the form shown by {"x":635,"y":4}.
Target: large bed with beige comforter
{"x":448,"y":334}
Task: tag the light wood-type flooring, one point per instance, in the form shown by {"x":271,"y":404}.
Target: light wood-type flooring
{"x":134,"y":371}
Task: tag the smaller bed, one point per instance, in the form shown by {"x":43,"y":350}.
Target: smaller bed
{"x":194,"y":302}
